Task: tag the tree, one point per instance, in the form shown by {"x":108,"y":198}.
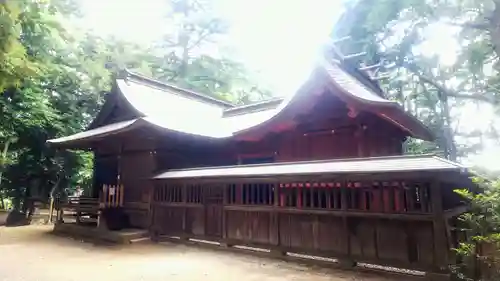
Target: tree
{"x":186,"y":54}
{"x":479,"y":250}
{"x":391,"y":31}
{"x":60,"y":97}
{"x":54,"y":76}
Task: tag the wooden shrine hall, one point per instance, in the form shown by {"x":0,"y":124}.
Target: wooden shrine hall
{"x":320,"y":172}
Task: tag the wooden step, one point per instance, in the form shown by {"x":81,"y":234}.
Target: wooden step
{"x":140,"y":240}
{"x":125,"y":236}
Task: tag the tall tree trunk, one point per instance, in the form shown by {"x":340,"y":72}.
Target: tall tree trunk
{"x":2,"y":204}
{"x":451,"y":149}
{"x":3,"y":159}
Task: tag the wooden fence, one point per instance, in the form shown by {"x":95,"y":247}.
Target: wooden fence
{"x":392,"y":223}
{"x":84,"y":208}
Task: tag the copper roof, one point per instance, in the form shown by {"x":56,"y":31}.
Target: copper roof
{"x":168,"y":107}
{"x":338,"y":166}
{"x":97,"y":132}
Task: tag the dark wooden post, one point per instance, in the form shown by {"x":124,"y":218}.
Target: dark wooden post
{"x":184,"y":212}
{"x":439,"y":227}
{"x":360,"y":136}
{"x":95,"y":185}
{"x":275,"y":223}
{"x":119,"y":163}
{"x":347,"y":262}
{"x":152,"y":230}
{"x":204,"y":200}
{"x":225,"y":201}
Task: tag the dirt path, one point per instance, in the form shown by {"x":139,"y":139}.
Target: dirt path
{"x":31,"y":253}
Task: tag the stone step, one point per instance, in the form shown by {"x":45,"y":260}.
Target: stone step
{"x":125,"y":236}
{"x":140,"y":240}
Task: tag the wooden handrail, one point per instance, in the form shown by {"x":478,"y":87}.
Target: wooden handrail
{"x":111,"y":196}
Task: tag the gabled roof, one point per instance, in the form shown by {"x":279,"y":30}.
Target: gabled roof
{"x":97,"y":133}
{"x":333,"y":167}
{"x":171,"y":108}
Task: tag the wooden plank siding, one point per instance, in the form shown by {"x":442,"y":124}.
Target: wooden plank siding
{"x":388,"y":222}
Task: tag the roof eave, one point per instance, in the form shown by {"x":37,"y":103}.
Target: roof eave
{"x":447,"y":166}
{"x":85,"y":139}
{"x":384,"y":109}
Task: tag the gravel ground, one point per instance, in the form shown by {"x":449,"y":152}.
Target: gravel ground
{"x":32,"y":253}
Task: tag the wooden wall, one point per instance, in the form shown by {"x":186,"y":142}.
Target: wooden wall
{"x":136,"y":171}
{"x":398,"y":227}
{"x":325,"y":130}
{"x":130,"y":161}
{"x":142,"y":154}
{"x":358,"y":139}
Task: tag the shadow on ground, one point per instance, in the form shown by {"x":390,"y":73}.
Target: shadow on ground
{"x":59,"y":256}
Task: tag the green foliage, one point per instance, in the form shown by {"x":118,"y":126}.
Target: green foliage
{"x":479,"y":250}
{"x":53,"y":76}
{"x":392,"y":31}
{"x":183,"y":59}
{"x":60,"y":97}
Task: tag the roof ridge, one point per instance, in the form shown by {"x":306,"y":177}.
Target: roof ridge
{"x":253,"y":107}
{"x":127,"y":74}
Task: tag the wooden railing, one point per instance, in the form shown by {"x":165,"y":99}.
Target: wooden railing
{"x":395,"y":197}
{"x":87,"y":208}
{"x":76,"y":207}
{"x":111,"y":196}
{"x":394,"y":222}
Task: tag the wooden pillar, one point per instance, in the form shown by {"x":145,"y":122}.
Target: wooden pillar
{"x":225,"y":201}
{"x":204,"y":196}
{"x":185,"y":209}
{"x":78,"y":216}
{"x":360,"y":140}
{"x":151,"y":207}
{"x":347,"y":262}
{"x":441,"y":250}
{"x":225,"y":189}
{"x":275,"y":223}
{"x":119,"y":163}
{"x":95,"y":184}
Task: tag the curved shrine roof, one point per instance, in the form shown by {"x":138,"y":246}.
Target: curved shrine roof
{"x":171,"y":108}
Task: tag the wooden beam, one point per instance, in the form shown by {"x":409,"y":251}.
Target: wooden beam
{"x":341,"y":39}
{"x":351,"y":56}
{"x":370,"y":67}
{"x":225,"y":200}
{"x":439,"y":228}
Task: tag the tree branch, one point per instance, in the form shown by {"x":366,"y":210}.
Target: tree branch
{"x":473,"y":97}
{"x":449,"y":93}
{"x":474,"y":25}
{"x":202,"y":37}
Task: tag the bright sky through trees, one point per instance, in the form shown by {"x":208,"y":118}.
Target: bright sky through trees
{"x":279,"y":39}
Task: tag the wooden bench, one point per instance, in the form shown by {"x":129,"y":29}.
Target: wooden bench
{"x":80,"y":207}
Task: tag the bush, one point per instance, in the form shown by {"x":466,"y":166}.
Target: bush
{"x":478,"y":252}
